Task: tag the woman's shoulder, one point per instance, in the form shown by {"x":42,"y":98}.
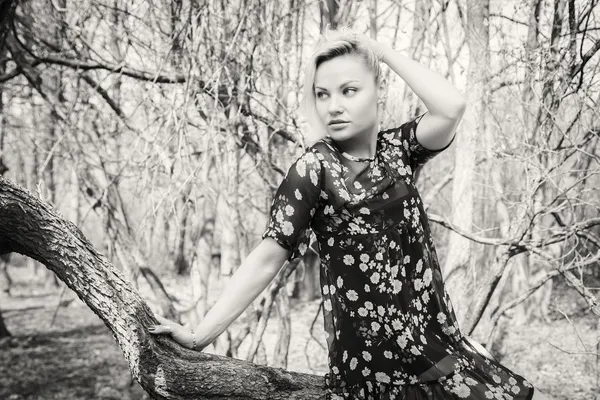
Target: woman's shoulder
{"x":323,"y":148}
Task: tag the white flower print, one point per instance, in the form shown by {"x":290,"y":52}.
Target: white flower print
{"x":344,"y":195}
{"x":402,"y":342}
{"x":298,"y":194}
{"x":397,"y":286}
{"x":287,"y":228}
{"x":326,"y":289}
{"x":364,"y":210}
{"x":462,"y":391}
{"x":352,"y":295}
{"x":279,"y":216}
{"x":382,"y":377}
{"x":441,"y":317}
{"x":331,"y":242}
{"x":366,"y":371}
{"x":397,"y":324}
{"x":362,"y":312}
{"x":427,"y":276}
{"x":418,"y":305}
{"x":367,"y":288}
{"x":367,"y":356}
{"x":419,"y":265}
{"x":314,"y":178}
{"x":345,"y":356}
{"x":302,"y":248}
{"x":327,"y":305}
{"x":353,"y":363}
{"x":380,"y":310}
{"x":301,"y":167}
{"x":375,"y":278}
{"x":348,"y":259}
{"x":414,"y":350}
{"x":332,"y":289}
{"x":470,"y":381}
{"x":418,"y":284}
{"x":340,"y":281}
{"x":364,"y":257}
{"x":375,"y":326}
{"x":406,"y":259}
{"x":496,"y":378}
{"x":388,"y":354}
{"x":363,"y":267}
{"x":368,"y":305}
{"x":289,"y":210}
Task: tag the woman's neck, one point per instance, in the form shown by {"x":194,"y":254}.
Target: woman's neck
{"x":361,"y":146}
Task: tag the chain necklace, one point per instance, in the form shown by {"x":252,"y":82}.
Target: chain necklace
{"x":358,"y":159}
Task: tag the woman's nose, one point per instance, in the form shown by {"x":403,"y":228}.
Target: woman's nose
{"x":335,"y":105}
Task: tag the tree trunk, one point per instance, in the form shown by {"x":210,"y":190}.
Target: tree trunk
{"x":163,"y":368}
{"x":460,"y":262}
{"x":418,"y":37}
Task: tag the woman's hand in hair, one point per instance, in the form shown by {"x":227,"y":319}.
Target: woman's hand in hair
{"x":370,"y":44}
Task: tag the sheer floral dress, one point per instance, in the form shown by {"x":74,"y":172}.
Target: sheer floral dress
{"x":391,"y":330}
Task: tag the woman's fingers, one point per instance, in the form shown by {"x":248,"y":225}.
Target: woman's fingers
{"x":165,"y":327}
{"x":161,"y":329}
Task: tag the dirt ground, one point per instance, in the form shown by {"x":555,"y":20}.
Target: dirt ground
{"x":67,"y":353}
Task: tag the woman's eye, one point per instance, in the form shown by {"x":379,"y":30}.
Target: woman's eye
{"x":321,"y":95}
{"x":349,"y":91}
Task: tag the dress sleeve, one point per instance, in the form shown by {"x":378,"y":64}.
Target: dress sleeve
{"x":294,"y":205}
{"x":417,"y":154}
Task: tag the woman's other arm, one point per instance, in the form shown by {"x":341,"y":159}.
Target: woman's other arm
{"x":254,"y":274}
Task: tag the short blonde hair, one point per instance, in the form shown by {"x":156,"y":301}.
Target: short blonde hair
{"x":332,"y":44}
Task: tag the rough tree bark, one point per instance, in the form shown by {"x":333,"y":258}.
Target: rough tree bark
{"x":164,"y":369}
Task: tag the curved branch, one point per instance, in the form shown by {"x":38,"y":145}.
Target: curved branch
{"x":163,"y":368}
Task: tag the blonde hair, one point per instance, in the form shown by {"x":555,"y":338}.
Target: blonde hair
{"x":332,"y":44}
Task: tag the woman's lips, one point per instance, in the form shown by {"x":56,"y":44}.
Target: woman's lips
{"x":338,"y":125}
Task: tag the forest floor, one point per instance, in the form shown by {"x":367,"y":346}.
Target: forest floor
{"x":67,"y":352}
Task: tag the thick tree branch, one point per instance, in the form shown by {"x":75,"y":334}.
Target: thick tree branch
{"x":163,"y":368}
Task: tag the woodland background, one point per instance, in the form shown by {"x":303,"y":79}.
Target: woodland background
{"x":162,"y":129}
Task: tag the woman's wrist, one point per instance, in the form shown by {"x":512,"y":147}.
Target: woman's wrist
{"x":383,"y":52}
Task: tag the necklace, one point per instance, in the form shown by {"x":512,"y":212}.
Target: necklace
{"x":350,"y":156}
{"x":358,"y":159}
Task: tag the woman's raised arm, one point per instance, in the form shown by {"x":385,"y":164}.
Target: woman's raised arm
{"x":445,"y":104}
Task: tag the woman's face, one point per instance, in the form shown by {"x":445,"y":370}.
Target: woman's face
{"x":346,"y":97}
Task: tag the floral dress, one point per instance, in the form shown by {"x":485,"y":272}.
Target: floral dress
{"x":390,"y":327}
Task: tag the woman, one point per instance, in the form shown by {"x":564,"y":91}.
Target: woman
{"x":390,"y":327}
